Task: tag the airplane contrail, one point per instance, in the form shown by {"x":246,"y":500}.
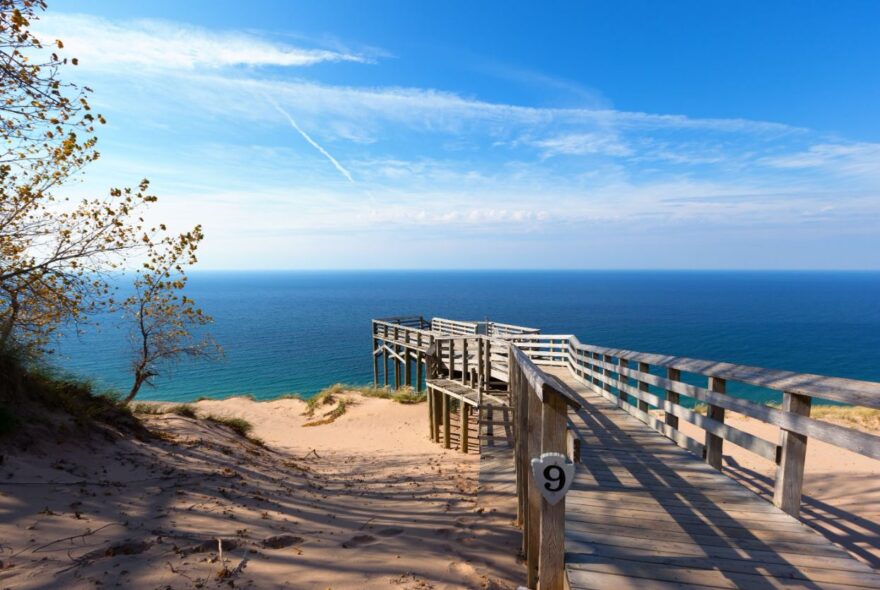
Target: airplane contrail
{"x":314,"y":143}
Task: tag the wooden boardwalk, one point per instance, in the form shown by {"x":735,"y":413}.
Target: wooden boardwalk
{"x":645,"y":513}
{"x":648,"y":507}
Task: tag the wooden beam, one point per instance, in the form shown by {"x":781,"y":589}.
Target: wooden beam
{"x":464,"y":410}
{"x":375,"y":363}
{"x":533,"y":515}
{"x":644,"y":368}
{"x":551,"y":558}
{"x":790,"y":471}
{"x":446,"y":439}
{"x":714,"y":443}
{"x":464,"y":361}
{"x":419,"y":359}
{"x":672,"y":397}
{"x":431,"y":433}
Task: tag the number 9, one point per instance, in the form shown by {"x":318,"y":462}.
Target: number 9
{"x":554,"y":475}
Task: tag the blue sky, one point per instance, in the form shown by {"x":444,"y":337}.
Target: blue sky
{"x":493,"y":134}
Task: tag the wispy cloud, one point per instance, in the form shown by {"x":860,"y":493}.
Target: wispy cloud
{"x":99,"y":43}
{"x":312,"y":142}
{"x":435,"y":164}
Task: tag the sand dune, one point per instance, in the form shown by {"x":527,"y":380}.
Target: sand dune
{"x":365,"y":502}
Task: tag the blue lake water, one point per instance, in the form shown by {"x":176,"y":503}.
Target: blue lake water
{"x":286,"y":332}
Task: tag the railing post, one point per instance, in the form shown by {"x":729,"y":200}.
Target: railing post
{"x":643,"y":386}
{"x":790,"y":471}
{"x":396,"y":360}
{"x":672,"y":397}
{"x":487,"y":370}
{"x":446,"y":413}
{"x":464,"y":361}
{"x":714,"y":443}
{"x":385,"y":360}
{"x":451,"y":358}
{"x":532,"y":536}
{"x":551,"y":562}
{"x":622,"y":380}
{"x":375,"y":358}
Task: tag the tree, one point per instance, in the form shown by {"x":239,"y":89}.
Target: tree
{"x":54,"y":251}
{"x":164,"y":319}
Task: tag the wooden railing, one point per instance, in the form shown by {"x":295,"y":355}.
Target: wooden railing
{"x":659,"y":390}
{"x":445,"y":326}
{"x":540,"y":417}
{"x":643,"y":383}
{"x":405,"y":345}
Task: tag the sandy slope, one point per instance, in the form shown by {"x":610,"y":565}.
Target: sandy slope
{"x":365,"y":502}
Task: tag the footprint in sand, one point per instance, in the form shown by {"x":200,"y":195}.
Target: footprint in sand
{"x":362,"y":540}
{"x":359,"y":541}
{"x":391,"y":531}
{"x":281,"y":541}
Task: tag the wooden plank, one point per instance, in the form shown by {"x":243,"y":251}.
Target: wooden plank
{"x":584,"y":541}
{"x":858,"y":578}
{"x":689,"y":576}
{"x":790,"y":471}
{"x":723,"y":534}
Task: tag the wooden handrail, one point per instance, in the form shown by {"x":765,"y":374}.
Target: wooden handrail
{"x":654,"y":381}
{"x":540,"y":406}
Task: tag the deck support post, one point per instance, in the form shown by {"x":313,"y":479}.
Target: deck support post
{"x":714,"y":443}
{"x":375,"y":361}
{"x":446,"y":438}
{"x":790,"y":471}
{"x":437,"y":409}
{"x":551,"y":561}
{"x":407,"y":367}
{"x":419,"y":360}
{"x":385,"y":361}
{"x":464,"y":434}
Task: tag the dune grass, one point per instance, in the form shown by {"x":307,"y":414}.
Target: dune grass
{"x":330,"y":396}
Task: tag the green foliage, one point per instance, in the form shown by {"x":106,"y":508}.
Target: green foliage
{"x":164,"y":319}
{"x":332,"y":415}
{"x":42,"y":395}
{"x":239,"y":425}
{"x":406,"y":395}
{"x":8,"y":421}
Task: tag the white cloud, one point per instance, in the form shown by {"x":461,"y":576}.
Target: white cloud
{"x":579,"y":144}
{"x":857,"y":159}
{"x":102,"y":44}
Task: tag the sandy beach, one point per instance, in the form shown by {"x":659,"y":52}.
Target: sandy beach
{"x":364,"y":502}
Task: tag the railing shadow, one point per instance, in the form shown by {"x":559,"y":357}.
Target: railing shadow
{"x":857,"y":534}
{"x":615,"y":464}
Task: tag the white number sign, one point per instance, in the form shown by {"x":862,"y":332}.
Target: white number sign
{"x":554,"y":473}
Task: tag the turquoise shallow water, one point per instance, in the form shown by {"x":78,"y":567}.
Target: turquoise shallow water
{"x":289,"y":332}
